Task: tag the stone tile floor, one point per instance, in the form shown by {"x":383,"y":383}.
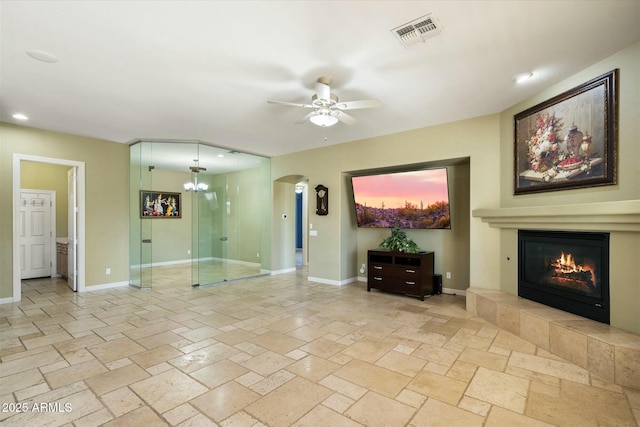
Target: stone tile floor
{"x":281,"y":351}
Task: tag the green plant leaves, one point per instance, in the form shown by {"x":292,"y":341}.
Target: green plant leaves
{"x":398,"y":241}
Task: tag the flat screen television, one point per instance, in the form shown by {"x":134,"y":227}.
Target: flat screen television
{"x":414,"y":199}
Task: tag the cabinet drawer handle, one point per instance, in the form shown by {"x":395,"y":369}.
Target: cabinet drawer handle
{"x":377,"y":267}
{"x":410,"y":271}
{"x":377,"y":278}
{"x":410,"y":283}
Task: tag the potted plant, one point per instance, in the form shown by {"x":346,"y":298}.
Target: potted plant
{"x":398,"y":241}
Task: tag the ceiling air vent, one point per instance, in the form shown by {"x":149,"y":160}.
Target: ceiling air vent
{"x":417,"y":31}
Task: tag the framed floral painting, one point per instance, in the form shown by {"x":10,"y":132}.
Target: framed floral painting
{"x":568,"y":141}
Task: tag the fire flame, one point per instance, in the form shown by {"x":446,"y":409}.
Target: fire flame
{"x":566,"y":264}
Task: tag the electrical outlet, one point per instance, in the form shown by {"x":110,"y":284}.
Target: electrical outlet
{"x":448,"y":275}
{"x":188,"y":251}
{"x":258,"y":255}
{"x":108,"y":271}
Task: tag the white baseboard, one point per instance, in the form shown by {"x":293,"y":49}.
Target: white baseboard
{"x":332,"y":282}
{"x":283,"y":271}
{"x":105,"y":286}
{"x":163,"y":263}
{"x":189,"y":260}
{"x":6,"y":300}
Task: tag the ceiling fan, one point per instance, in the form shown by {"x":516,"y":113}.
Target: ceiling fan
{"x":327,"y":110}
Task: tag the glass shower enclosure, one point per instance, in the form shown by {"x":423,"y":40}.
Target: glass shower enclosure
{"x":199,"y":214}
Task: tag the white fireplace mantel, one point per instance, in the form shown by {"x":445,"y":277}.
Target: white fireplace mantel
{"x":604,"y":216}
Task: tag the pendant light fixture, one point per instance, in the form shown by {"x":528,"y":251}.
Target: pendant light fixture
{"x":195,"y":185}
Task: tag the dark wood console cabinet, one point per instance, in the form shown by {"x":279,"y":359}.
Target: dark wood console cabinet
{"x":410,"y":274}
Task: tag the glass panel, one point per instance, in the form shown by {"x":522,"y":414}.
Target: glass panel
{"x":146,"y":224}
{"x":134,"y":217}
{"x":213,"y":214}
{"x":140,"y":229}
{"x":224,"y":216}
{"x":192,"y":196}
{"x":253,"y":207}
{"x":173,"y":255}
{"x":231,"y":214}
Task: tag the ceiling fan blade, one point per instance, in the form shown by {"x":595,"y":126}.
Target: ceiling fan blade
{"x":303,"y":120}
{"x":344,"y":117}
{"x":353,"y":105}
{"x":323,"y":91}
{"x":291,"y":104}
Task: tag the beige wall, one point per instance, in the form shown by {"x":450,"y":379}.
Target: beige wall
{"x":628,"y":185}
{"x":44,"y":176}
{"x":625,"y":246}
{"x":107,"y":189}
{"x":245,"y":191}
{"x":339,"y":249}
{"x":283,"y":248}
{"x":171,"y":237}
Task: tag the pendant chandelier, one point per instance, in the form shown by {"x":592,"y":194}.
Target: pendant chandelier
{"x":195,"y":185}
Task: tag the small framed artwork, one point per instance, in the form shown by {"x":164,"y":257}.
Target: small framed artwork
{"x":568,"y":141}
{"x":160,"y":204}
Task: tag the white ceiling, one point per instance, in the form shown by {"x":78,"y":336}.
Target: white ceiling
{"x":204,"y":70}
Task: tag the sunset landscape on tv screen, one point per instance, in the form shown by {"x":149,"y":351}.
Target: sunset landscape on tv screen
{"x":416,"y":199}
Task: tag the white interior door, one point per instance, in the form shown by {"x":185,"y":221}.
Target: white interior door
{"x":35,"y":234}
{"x":72,"y":250}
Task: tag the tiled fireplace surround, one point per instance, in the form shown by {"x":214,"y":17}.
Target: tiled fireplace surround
{"x":606,"y":351}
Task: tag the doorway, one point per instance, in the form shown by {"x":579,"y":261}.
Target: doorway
{"x":80,"y":230}
{"x":37,"y":233}
{"x":301,"y":223}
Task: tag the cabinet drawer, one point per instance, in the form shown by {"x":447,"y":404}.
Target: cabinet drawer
{"x":380,"y":268}
{"x":386,"y":283}
{"x":394,"y":281}
{"x":408,"y":273}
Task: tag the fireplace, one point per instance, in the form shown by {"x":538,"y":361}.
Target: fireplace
{"x":565,"y":270}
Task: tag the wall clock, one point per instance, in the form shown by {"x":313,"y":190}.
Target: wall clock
{"x":322,"y":200}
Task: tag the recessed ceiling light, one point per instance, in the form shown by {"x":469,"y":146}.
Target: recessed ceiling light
{"x":41,"y":55}
{"x":522,"y":77}
{"x":20,"y":116}
{"x":220,"y":155}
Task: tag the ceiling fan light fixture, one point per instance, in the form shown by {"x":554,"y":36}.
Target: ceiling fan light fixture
{"x":323,"y":119}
